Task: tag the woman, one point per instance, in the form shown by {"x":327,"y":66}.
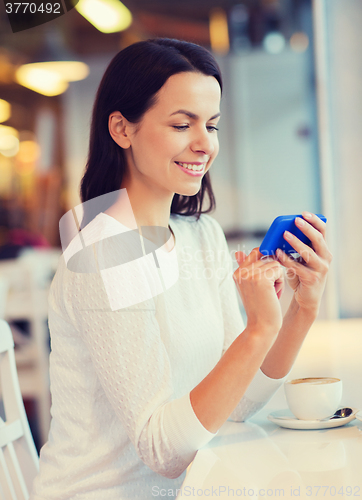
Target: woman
{"x":143,"y":376}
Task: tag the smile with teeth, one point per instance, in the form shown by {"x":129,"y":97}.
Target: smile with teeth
{"x":191,"y":166}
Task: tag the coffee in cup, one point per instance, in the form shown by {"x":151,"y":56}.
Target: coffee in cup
{"x":313,"y":398}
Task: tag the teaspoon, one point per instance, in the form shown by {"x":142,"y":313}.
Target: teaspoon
{"x":341,"y":413}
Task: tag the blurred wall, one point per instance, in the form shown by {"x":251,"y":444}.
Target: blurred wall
{"x":344,"y":43}
{"x":268,"y":161}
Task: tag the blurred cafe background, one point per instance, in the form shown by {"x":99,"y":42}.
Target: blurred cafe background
{"x":290,"y":139}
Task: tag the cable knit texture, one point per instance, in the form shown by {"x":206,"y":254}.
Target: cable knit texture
{"x":122,"y":421}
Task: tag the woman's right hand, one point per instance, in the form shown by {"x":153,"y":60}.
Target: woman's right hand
{"x":260,"y":283}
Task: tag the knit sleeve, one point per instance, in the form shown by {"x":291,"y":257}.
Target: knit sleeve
{"x":262,"y":388}
{"x":133,"y":368}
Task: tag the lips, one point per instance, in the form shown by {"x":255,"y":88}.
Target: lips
{"x":193,"y":169}
{"x":188,"y":170}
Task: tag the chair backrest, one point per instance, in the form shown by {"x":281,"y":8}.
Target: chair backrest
{"x":28,"y":278}
{"x":4,"y":285}
{"x":19,"y":462}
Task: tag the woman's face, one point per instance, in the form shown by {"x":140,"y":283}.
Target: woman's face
{"x":176,"y":141}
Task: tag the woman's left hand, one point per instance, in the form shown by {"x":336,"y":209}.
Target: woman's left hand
{"x":307,"y":278}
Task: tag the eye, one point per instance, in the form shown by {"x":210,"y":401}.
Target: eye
{"x":212,"y":128}
{"x":180,"y":127}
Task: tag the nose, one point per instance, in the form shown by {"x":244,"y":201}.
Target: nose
{"x":204,"y":142}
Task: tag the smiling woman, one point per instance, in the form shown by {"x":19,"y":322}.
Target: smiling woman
{"x":150,"y":358}
{"x":133,"y":84}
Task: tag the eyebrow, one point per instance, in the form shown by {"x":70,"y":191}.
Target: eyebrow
{"x":192,"y":115}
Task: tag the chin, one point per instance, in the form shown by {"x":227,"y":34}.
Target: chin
{"x":190,"y":189}
{"x":189,"y":192}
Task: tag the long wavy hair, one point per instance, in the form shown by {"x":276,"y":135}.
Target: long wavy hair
{"x":129,"y":85}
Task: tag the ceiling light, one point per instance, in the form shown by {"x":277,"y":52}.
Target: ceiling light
{"x":71,"y":71}
{"x":41,"y":80}
{"x":5,"y":110}
{"x":5,"y":130}
{"x":108,"y":16}
{"x":9,"y":145}
{"x":299,"y":42}
{"x":53,"y":69}
{"x":219,"y":32}
{"x":9,"y":142}
{"x":274,"y":42}
{"x":51,"y":78}
{"x":29,"y":151}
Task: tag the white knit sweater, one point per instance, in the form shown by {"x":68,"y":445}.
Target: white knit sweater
{"x":122,"y":422}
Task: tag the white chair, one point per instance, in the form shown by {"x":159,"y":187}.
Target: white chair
{"x":19,"y":462}
{"x":28,"y":279}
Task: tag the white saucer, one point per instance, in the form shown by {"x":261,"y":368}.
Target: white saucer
{"x":285,"y":418}
{"x":359,"y":415}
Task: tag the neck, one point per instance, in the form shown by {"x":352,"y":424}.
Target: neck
{"x":142,"y":208}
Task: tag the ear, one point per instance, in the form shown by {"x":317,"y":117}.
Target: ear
{"x":119,"y":128}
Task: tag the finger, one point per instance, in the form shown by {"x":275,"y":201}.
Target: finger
{"x":240,"y":256}
{"x":316,"y":237}
{"x":306,"y":252}
{"x":272,"y":271}
{"x":253,"y":256}
{"x":316,"y":222}
{"x":259,"y":270}
{"x":279,"y":286}
{"x":291,"y":264}
{"x":261,"y":263}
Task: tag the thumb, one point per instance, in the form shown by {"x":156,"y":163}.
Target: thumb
{"x":240,"y":257}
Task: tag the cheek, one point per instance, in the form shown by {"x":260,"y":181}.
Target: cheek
{"x":164,"y":144}
{"x":148,"y":148}
{"x":173,"y":146}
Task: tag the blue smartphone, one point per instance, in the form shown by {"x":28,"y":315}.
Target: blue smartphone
{"x":274,"y":237}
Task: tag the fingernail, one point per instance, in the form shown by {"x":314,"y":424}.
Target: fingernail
{"x":300,"y":221}
{"x":288,"y":235}
{"x":307,"y":215}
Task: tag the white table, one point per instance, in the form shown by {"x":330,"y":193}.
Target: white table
{"x":258,"y":459}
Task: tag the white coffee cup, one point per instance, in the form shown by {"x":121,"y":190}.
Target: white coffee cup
{"x":313,"y":398}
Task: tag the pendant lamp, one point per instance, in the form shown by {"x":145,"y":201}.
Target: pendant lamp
{"x":108,"y":16}
{"x":53,"y":68}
